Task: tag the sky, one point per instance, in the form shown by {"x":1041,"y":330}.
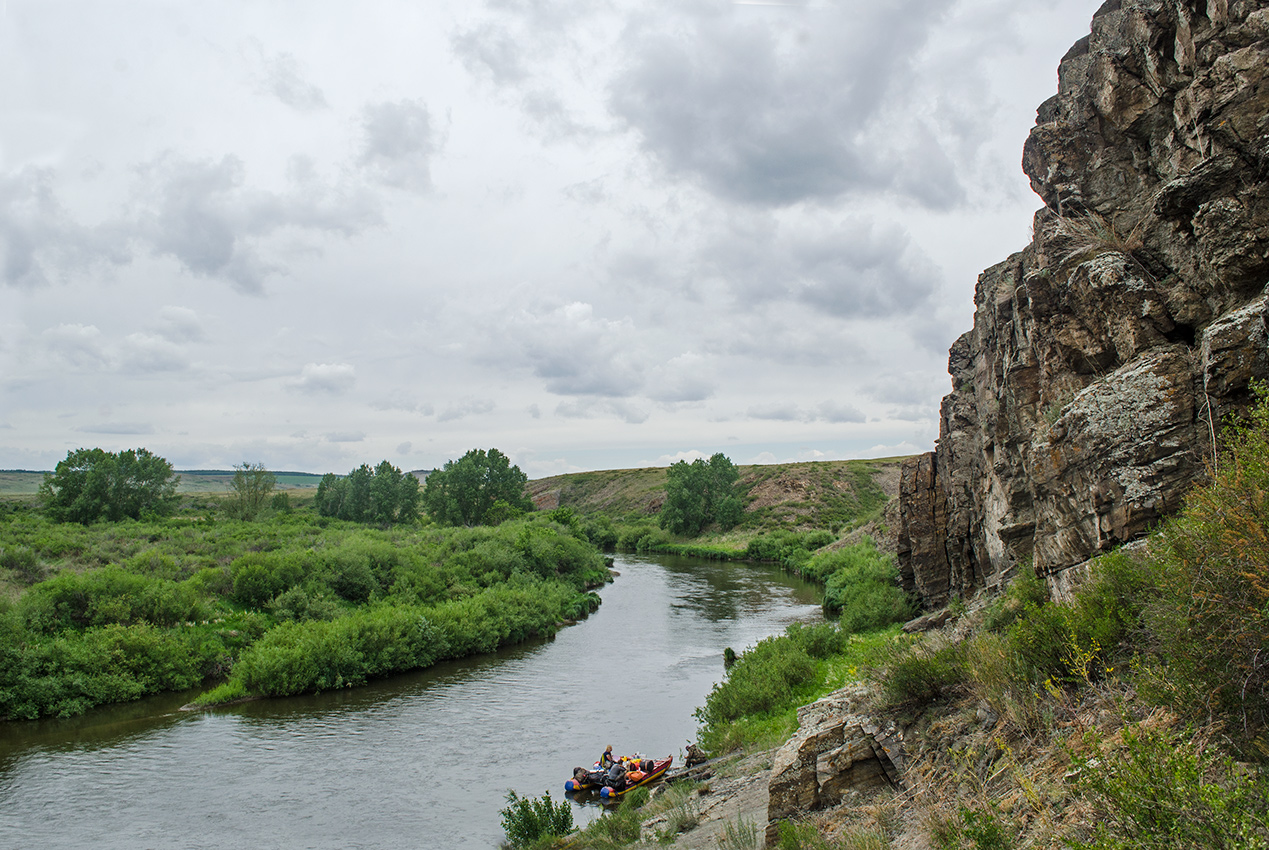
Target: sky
{"x":593,"y":234}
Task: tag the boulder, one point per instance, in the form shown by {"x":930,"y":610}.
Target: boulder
{"x":836,"y":754}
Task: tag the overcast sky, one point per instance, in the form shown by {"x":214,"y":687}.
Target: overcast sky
{"x":590,"y":233}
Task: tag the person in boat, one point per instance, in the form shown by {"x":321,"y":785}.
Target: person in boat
{"x":606,"y":760}
{"x":616,"y":776}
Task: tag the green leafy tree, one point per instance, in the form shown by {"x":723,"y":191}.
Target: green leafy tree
{"x":384,"y":495}
{"x":94,"y":484}
{"x":252,"y":486}
{"x":468,"y":491}
{"x":700,"y":493}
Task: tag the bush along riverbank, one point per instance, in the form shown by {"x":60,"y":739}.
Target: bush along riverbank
{"x":291,"y":605}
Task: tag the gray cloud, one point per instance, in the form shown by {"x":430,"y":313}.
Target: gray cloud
{"x":118,"y":428}
{"x":325,"y":378}
{"x":143,"y":353}
{"x":181,"y":324}
{"x":39,"y":242}
{"x":491,"y":50}
{"x":461,"y":410}
{"x":628,"y":412}
{"x":282,"y":79}
{"x":81,"y":346}
{"x":775,"y":115}
{"x":398,"y":144}
{"x":203,"y":214}
{"x":775,"y":411}
{"x":833,"y":412}
{"x":575,"y":352}
{"x":837,"y":413}
{"x":856,"y":268}
{"x":345,"y":436}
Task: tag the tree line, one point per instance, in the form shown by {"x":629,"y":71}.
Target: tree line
{"x":482,"y":487}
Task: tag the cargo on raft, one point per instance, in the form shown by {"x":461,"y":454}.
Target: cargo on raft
{"x":626,"y":774}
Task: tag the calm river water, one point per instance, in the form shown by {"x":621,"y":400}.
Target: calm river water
{"x":417,"y":761}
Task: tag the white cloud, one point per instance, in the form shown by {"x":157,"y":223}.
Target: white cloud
{"x":325,"y":378}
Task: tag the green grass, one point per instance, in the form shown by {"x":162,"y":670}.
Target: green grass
{"x":27,"y":483}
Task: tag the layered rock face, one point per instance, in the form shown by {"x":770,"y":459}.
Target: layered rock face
{"x":1088,"y":397}
{"x":835,"y":755}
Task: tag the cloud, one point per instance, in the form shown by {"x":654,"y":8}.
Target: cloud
{"x":325,"y":378}
{"x":775,"y":411}
{"x":855,"y":267}
{"x":838,"y":413}
{"x":575,"y":352}
{"x":833,"y":412}
{"x":181,"y":324}
{"x":77,"y":345}
{"x":39,"y":242}
{"x":143,"y":353}
{"x":345,"y":436}
{"x":204,"y":214}
{"x":687,"y":456}
{"x":118,"y":428}
{"x":688,"y":377}
{"x":489,"y":49}
{"x":463,"y":409}
{"x":282,"y":79}
{"x":773,"y":112}
{"x":631,"y":413}
{"x":398,"y":144}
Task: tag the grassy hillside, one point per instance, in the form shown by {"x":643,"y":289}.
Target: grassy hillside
{"x":836,"y":495}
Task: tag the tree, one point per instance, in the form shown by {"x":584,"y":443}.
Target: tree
{"x":384,"y":495}
{"x":252,"y":485}
{"x":700,"y":493}
{"x":94,"y":484}
{"x":467,"y":491}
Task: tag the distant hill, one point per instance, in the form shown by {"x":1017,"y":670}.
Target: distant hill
{"x":820,"y":494}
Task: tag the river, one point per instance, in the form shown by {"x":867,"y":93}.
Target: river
{"x":422,"y":760}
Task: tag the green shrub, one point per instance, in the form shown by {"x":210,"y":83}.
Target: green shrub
{"x":917,"y":676}
{"x":1026,"y":590}
{"x":70,"y":673}
{"x":1160,"y":791}
{"x":299,"y":603}
{"x":864,"y":588}
{"x":818,"y":539}
{"x":296,"y":658}
{"x":109,"y":595}
{"x":1209,"y":616}
{"x":767,"y":678}
{"x":527,"y":820}
{"x":23,"y":561}
{"x":260,"y":576}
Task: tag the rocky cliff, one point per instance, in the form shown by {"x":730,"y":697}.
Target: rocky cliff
{"x":1104,"y":355}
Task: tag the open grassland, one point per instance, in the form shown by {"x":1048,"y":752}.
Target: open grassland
{"x":22,"y":482}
